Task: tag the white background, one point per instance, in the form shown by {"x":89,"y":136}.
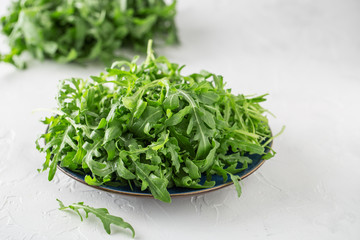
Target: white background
{"x":306,"y":54}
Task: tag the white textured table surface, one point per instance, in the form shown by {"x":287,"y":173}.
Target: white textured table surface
{"x":306,"y":54}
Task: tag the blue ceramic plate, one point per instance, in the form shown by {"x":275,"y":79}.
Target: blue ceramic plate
{"x":175,"y":191}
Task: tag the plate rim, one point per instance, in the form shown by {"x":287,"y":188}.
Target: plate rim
{"x":149,"y":195}
{"x":136,"y":194}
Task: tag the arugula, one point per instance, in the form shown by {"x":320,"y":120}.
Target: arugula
{"x":101,"y":213}
{"x":82,"y":30}
{"x":147,"y":125}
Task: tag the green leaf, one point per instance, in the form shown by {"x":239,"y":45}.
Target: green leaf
{"x":71,"y":56}
{"x":202,"y":134}
{"x":101,"y":213}
{"x":132,"y":101}
{"x":157,"y":185}
{"x":210,"y":158}
{"x":98,"y":168}
{"x":209,"y":98}
{"x":102,"y":123}
{"x":178,"y":117}
{"x":59,"y":143}
{"x":123,"y":172}
{"x":147,"y":120}
{"x":143,"y":26}
{"x":110,"y":149}
{"x":112,"y":132}
{"x":92,"y":181}
{"x":172,"y":102}
{"x":187,"y":182}
{"x":249,"y":147}
{"x":172,"y":148}
{"x":192,"y":169}
{"x":236,"y":180}
{"x":208,"y":119}
{"x":140,"y":108}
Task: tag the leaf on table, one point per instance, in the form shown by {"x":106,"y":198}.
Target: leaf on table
{"x":101,"y":213}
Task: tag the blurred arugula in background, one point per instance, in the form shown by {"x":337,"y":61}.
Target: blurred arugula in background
{"x":150,"y":126}
{"x":83,"y":30}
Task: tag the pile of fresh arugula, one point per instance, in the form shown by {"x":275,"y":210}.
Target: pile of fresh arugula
{"x":83,"y":30}
{"x":150,"y":126}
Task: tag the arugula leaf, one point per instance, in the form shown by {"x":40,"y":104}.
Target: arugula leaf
{"x":82,"y":30}
{"x":101,"y":213}
{"x":57,"y":146}
{"x":235,"y":180}
{"x":202,"y":132}
{"x":149,"y":126}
